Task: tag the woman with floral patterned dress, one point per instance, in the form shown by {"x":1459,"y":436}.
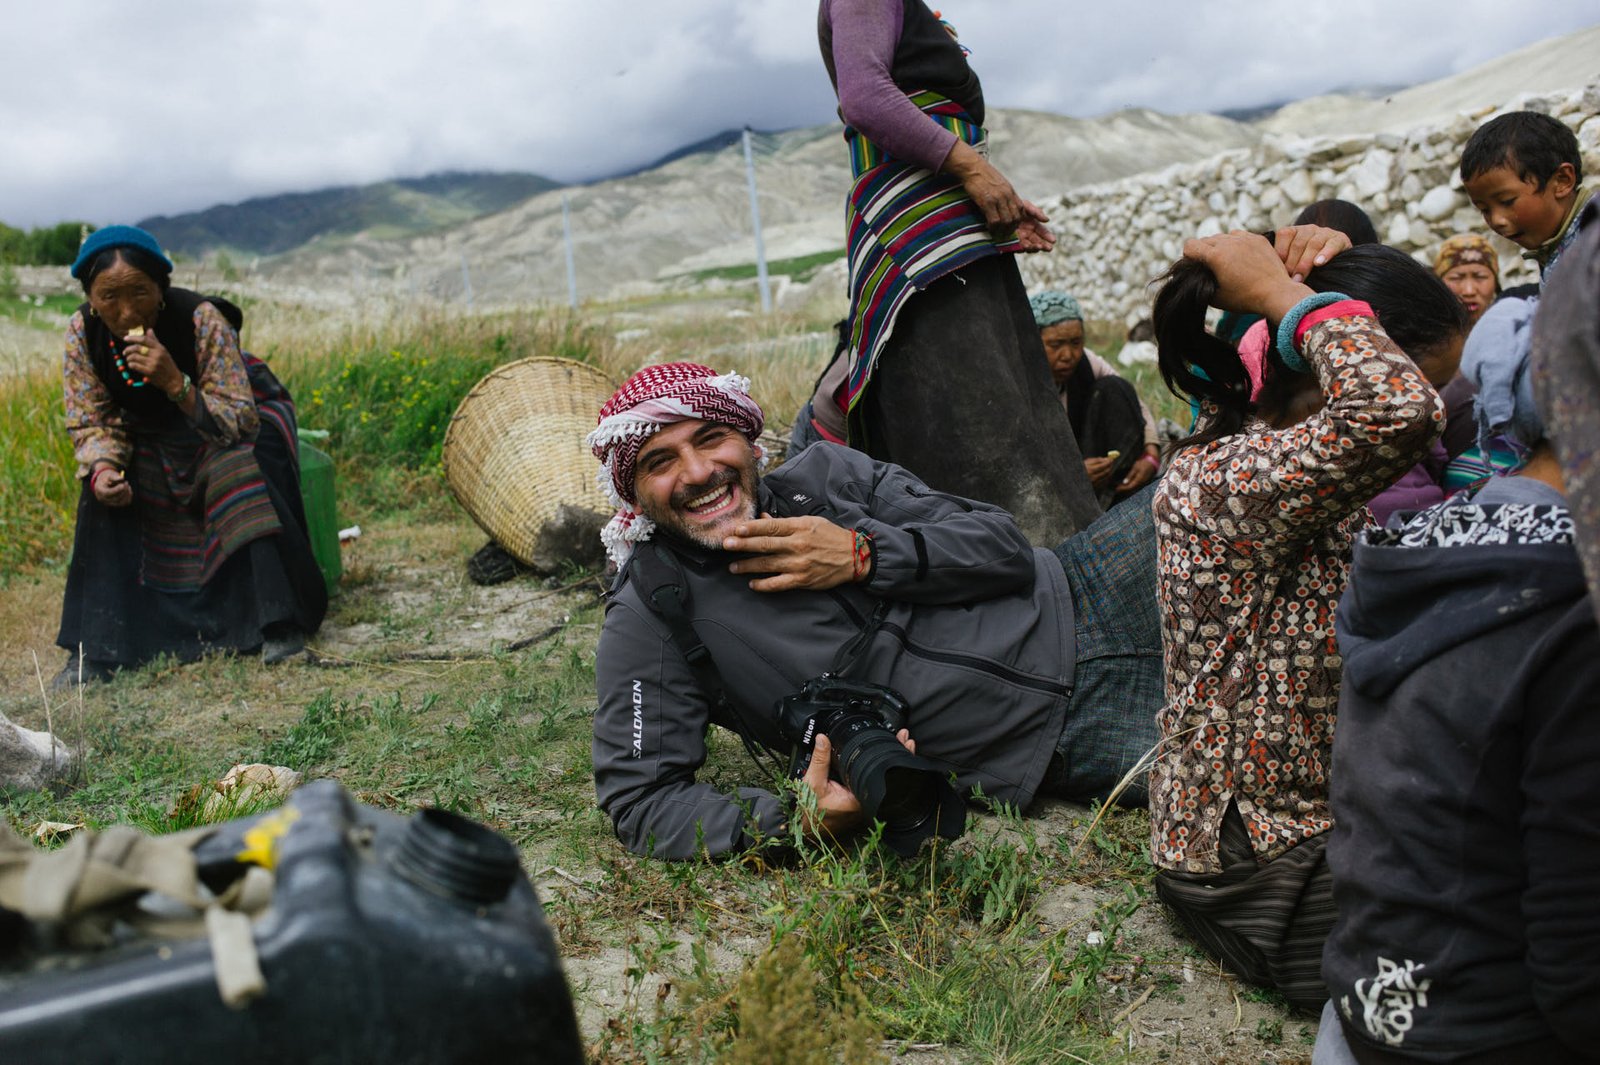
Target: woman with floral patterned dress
{"x":1254,"y":522}
{"x":190,"y":534}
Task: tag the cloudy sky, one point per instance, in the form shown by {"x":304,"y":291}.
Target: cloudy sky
{"x":113,"y":110}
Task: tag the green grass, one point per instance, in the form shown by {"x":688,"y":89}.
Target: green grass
{"x":38,"y":489}
{"x":385,"y":398}
{"x":47,"y":312}
{"x":801,"y":268}
{"x":858,"y":945}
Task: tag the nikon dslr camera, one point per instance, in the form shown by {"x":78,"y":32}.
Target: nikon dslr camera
{"x":912,"y":797}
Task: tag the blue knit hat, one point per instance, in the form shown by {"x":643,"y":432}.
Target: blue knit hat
{"x":116,"y":237}
{"x":1052,"y":307}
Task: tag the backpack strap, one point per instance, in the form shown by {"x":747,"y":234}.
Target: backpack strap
{"x":666,"y":591}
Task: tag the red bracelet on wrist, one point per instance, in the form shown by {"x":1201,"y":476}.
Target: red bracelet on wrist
{"x":863,"y":555}
{"x":1152,"y":460}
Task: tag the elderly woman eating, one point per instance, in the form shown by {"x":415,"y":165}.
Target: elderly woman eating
{"x":190,"y":534}
{"x":1113,"y":427}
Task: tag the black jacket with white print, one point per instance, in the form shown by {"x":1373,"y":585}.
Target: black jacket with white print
{"x":1466,"y":787}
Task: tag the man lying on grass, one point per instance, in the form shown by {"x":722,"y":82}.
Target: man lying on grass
{"x":1022,"y":670}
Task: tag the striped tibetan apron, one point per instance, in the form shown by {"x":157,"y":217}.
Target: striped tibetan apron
{"x":907,"y":227}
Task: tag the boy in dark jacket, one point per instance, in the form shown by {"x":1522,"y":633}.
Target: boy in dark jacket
{"x":1466,"y":846}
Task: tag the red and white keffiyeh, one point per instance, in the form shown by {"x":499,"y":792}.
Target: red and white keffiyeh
{"x":654,"y":397}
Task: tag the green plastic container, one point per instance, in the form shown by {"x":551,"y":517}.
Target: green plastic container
{"x":322,"y":519}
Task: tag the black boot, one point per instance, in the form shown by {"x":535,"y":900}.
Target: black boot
{"x":88,"y":669}
{"x":284,"y":641}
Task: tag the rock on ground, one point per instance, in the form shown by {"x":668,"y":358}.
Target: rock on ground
{"x":29,"y":759}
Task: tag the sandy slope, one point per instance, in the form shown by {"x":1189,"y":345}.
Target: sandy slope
{"x":1559,"y":63}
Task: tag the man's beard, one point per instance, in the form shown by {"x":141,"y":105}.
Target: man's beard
{"x":675,"y":523}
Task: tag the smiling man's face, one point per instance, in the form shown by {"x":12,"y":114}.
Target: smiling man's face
{"x":697,"y":479}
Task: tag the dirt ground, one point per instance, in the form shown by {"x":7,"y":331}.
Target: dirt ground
{"x":410,"y":606}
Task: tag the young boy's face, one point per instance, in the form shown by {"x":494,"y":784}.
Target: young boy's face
{"x":1517,"y":208}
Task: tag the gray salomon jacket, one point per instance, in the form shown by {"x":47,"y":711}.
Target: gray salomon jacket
{"x":976,"y":631}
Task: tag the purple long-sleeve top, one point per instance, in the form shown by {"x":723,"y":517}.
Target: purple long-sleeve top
{"x":858,"y":39}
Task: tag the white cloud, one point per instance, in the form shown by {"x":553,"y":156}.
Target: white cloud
{"x":112,"y":111}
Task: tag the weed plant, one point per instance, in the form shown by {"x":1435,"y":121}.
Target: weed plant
{"x":827,"y":953}
{"x":38,"y":489}
{"x":31,"y":311}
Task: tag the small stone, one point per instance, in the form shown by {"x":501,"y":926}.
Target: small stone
{"x":1298,"y":189}
{"x":1438,"y":204}
{"x":1410,"y":187}
{"x":1321,"y":150}
{"x":30,"y":760}
{"x":1589,"y":135}
{"x":1371,"y":175}
{"x":1212,"y":226}
{"x":1399,"y":231}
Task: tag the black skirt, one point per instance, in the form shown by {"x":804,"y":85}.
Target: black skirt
{"x":273,"y":580}
{"x":962,"y":397}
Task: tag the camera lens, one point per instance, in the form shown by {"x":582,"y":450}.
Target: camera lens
{"x":908,"y":794}
{"x":909,"y":798}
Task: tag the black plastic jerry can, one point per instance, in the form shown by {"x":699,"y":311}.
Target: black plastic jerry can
{"x":387,"y":940}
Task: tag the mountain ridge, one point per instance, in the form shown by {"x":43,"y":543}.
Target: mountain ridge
{"x":690,"y":213}
{"x":270,"y":225}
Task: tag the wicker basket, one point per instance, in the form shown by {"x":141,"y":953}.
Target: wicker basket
{"x":514,"y":454}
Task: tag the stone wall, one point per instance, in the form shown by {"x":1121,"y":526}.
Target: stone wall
{"x":1116,"y":237}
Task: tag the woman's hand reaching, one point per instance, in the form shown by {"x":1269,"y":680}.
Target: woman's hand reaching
{"x":1304,"y":248}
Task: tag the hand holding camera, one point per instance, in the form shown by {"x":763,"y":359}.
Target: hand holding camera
{"x":838,"y":809}
{"x":859,"y":729}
